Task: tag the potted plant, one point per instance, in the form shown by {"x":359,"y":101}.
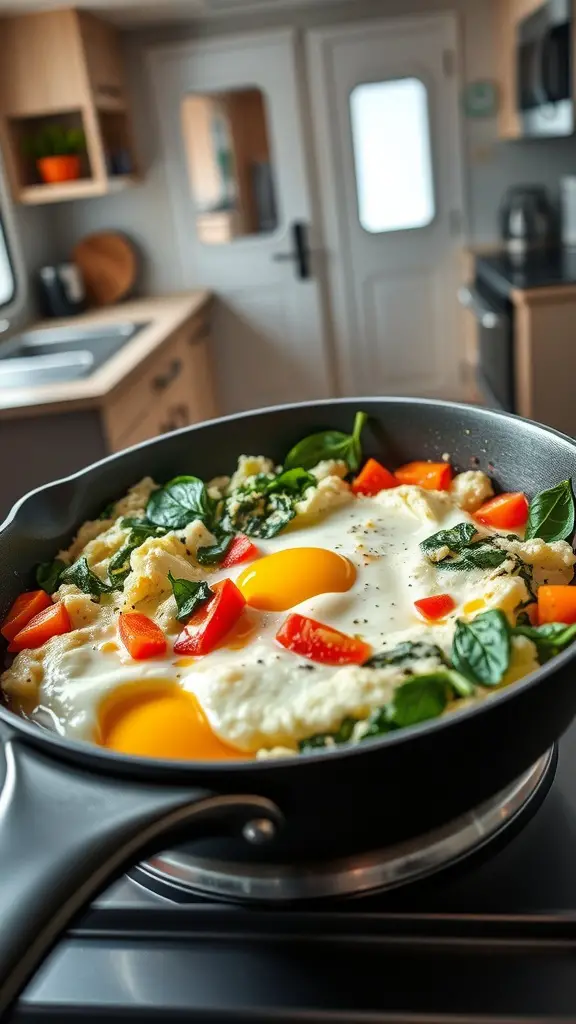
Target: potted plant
{"x":56,"y":151}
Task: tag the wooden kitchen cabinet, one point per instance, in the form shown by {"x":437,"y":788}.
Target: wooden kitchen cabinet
{"x":507,"y":15}
{"x":174,"y":391}
{"x":64,"y":67}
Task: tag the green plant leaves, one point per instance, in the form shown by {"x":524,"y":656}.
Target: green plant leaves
{"x":322,"y":740}
{"x":328,"y":444}
{"x":291,"y":481}
{"x":405,"y":654}
{"x":456,"y":539}
{"x":178,"y":503}
{"x":481,"y":648}
{"x":213,"y":554}
{"x":479,"y":555}
{"x":550,"y":639}
{"x":551,"y":513}
{"x":82,"y":576}
{"x":48,"y":575}
{"x":190,"y":595}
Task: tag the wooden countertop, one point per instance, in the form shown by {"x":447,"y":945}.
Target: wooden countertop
{"x":164,"y":316}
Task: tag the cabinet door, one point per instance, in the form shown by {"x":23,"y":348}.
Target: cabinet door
{"x":195,"y":351}
{"x":104,"y":60}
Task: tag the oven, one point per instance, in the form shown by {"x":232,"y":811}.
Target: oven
{"x":544,"y":71}
{"x":495,"y":355}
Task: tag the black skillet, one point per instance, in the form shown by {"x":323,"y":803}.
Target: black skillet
{"x":74,"y":816}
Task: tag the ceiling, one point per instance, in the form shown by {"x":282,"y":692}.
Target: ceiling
{"x":148,"y":12}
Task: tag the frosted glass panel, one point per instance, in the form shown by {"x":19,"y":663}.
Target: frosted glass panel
{"x":6,"y":275}
{"x":391,"y":138}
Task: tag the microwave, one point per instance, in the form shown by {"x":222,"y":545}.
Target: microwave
{"x":545,"y":95}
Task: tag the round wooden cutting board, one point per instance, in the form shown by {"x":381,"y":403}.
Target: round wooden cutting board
{"x":109,"y":265}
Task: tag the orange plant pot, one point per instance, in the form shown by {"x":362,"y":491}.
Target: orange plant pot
{"x":55,"y":169}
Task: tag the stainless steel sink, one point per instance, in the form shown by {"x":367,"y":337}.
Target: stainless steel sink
{"x":57,"y":354}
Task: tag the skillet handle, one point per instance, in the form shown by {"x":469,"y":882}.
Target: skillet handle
{"x":65,"y":833}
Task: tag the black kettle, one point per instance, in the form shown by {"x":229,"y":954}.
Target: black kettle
{"x":527,"y":221}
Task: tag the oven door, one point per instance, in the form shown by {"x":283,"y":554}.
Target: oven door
{"x":495,"y":364}
{"x":544,"y":59}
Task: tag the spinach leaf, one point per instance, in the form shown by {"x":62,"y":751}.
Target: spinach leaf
{"x":328,"y":444}
{"x":322,"y":740}
{"x":551,"y":513}
{"x":140,"y":530}
{"x":108,"y":511}
{"x":190,"y":595}
{"x":178,"y":503}
{"x":478,"y":555}
{"x":293,"y":481}
{"x":48,"y":575}
{"x":550,"y":639}
{"x":258,"y":515}
{"x":213,"y":554}
{"x":405,"y":654}
{"x":456,"y":539}
{"x":481,"y":648}
{"x":419,"y":699}
{"x":87,"y":581}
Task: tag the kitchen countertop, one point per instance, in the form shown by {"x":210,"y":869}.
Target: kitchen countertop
{"x":164,"y":316}
{"x":546,"y":270}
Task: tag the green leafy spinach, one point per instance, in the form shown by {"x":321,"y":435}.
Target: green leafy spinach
{"x":213,"y":554}
{"x":140,"y":530}
{"x":551,"y":513}
{"x":82,"y":576}
{"x":190,"y":595}
{"x":328,"y":444}
{"x":48,"y":575}
{"x":405,"y":654}
{"x":322,"y":740}
{"x":481,"y":648}
{"x":179,"y":502}
{"x":550,"y":638}
{"x":456,"y":539}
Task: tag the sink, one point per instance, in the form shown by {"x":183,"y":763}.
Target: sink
{"x":58,"y":354}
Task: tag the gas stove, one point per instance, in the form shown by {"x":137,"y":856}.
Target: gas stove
{"x":476,"y":922}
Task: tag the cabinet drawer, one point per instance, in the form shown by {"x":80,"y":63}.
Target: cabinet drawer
{"x":145,"y":394}
{"x":169,"y":413}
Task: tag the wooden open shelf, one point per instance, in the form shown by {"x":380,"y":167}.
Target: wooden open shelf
{"x":85,"y":90}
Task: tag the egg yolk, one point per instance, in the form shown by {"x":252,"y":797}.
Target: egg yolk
{"x":284,"y":579}
{"x":162,"y":722}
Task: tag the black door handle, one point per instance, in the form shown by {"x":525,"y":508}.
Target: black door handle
{"x":300,"y":254}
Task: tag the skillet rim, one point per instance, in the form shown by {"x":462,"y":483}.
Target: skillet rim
{"x":108,"y":760}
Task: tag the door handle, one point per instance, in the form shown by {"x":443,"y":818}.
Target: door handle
{"x":300,"y":254}
{"x":472,"y":300}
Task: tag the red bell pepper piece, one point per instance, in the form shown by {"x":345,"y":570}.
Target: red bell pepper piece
{"x":435,"y":607}
{"x":210,"y":624}
{"x":25,"y":607}
{"x":433,"y":476}
{"x":141,"y":637}
{"x":318,"y":642}
{"x":241,"y":550}
{"x":52,"y":621}
{"x":373,"y":478}
{"x":504,"y":512}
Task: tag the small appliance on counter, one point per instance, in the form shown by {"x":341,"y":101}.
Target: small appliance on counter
{"x":62,"y":290}
{"x":527,"y":220}
{"x":568,"y":211}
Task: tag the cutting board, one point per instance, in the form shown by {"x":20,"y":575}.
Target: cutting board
{"x":109,"y":265}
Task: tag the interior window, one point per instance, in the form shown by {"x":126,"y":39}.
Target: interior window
{"x":7,"y":280}
{"x":230,"y":164}
{"x":392,"y":155}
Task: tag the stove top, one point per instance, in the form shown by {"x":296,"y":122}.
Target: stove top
{"x":492,"y":940}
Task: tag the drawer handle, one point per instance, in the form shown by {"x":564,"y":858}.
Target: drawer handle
{"x":179,"y":417}
{"x":163,"y":381}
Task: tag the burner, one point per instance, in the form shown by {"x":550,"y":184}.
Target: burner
{"x":179,"y":876}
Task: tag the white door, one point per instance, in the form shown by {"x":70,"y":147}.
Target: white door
{"x":385,"y":107}
{"x":230,"y":117}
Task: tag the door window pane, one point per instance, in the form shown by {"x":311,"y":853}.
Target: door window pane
{"x":391,"y":139}
{"x":229,"y":164}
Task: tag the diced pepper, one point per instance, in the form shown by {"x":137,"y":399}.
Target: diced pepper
{"x":373,"y":478}
{"x":52,"y":621}
{"x":556,"y":604}
{"x":433,"y":476}
{"x":241,"y":550}
{"x":210,"y":624}
{"x":141,"y":637}
{"x":435,"y":607}
{"x":25,"y":607}
{"x":318,"y":642}
{"x":504,"y":512}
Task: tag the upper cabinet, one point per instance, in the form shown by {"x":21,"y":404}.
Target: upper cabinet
{"x":65,"y":125}
{"x":508,"y":14}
